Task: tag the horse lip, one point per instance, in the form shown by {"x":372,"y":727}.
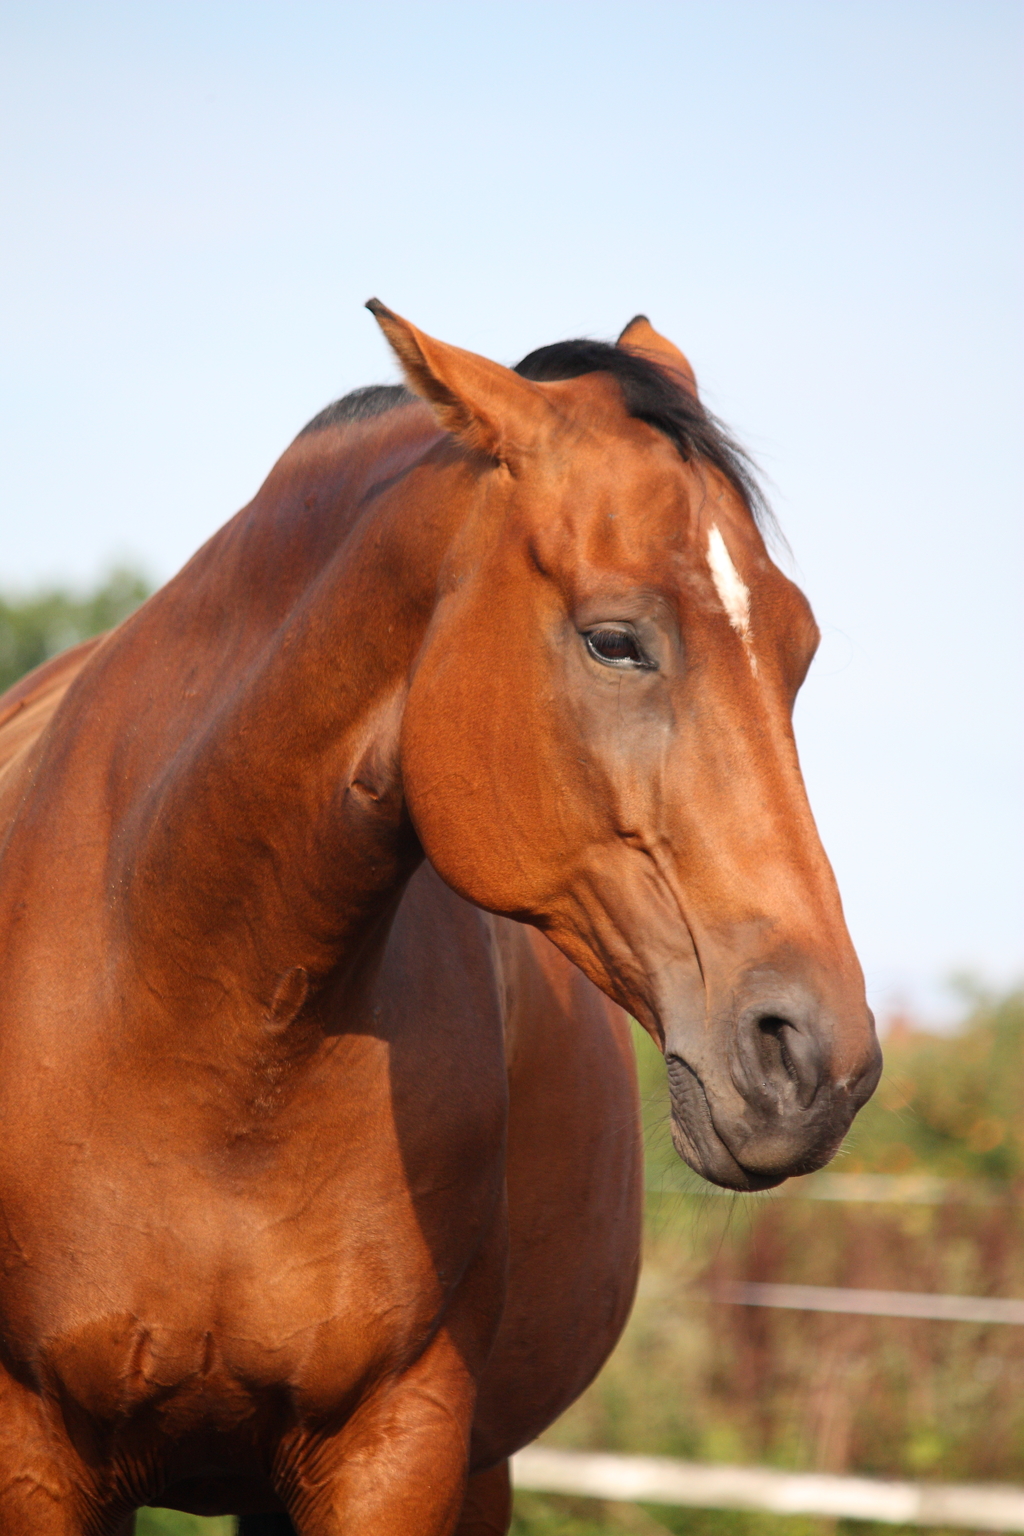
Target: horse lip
{"x":697,"y":1140}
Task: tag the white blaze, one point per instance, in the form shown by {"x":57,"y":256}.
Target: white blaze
{"x":733,"y":593}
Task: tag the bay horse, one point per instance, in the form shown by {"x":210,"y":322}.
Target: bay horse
{"x":326,"y":880}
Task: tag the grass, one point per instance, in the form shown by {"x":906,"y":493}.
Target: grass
{"x":171,"y":1522}
{"x":547,"y":1515}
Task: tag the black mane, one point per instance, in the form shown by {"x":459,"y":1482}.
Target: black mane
{"x":650,"y":394}
{"x":360,"y":405}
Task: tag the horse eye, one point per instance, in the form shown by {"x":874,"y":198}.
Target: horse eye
{"x":615,"y":647}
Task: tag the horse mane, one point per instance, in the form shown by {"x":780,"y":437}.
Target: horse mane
{"x":650,"y":393}
{"x":360,"y":405}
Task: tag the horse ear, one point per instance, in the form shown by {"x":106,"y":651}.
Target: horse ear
{"x":487,"y":406}
{"x":640,"y":336}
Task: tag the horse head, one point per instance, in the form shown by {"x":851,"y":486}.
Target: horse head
{"x":598,"y":736}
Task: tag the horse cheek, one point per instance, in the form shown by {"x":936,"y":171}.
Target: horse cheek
{"x":473,"y":784}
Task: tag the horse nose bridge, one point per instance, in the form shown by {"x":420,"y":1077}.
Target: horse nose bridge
{"x":755,"y":862}
{"x":758,"y":842}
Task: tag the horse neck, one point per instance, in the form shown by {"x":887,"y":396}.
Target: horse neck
{"x":269,"y":818}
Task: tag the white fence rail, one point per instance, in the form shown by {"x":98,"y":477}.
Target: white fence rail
{"x":849,"y":1299}
{"x":693,"y":1485}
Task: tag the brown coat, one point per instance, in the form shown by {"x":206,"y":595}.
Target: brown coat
{"x":321,"y":1182}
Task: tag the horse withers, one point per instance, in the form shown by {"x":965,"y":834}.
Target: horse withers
{"x":325,"y":881}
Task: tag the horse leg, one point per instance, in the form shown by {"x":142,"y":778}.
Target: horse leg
{"x":44,"y":1488}
{"x":487,"y":1507}
{"x":398,"y":1466}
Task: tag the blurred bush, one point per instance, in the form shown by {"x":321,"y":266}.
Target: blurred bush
{"x":39,"y":625}
{"x":949,"y":1105}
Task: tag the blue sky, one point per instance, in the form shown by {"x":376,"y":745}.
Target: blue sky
{"x":821,"y":202}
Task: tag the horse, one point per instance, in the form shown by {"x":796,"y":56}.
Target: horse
{"x":327,"y":882}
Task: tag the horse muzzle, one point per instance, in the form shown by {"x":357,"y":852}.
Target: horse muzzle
{"x":780,"y":1097}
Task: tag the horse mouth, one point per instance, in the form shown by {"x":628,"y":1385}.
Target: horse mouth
{"x":697,"y":1141}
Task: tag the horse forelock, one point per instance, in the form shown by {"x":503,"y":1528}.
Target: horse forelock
{"x":652,"y":394}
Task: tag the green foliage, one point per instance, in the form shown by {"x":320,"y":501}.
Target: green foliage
{"x":170,"y":1522}
{"x":36,"y":627}
{"x":539,"y":1514}
{"x":951,"y":1106}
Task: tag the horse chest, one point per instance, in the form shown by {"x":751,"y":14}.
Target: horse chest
{"x":312,"y":1261}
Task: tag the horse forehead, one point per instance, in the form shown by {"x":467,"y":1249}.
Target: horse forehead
{"x":649,"y":502}
{"x":618,"y":468}
{"x":693,"y":541}
{"x":593,"y":431}
{"x":591,"y":399}
{"x":611,"y":479}
{"x":637,"y":513}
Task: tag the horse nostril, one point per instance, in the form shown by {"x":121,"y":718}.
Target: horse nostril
{"x":776,"y":1029}
{"x":789,"y":1054}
